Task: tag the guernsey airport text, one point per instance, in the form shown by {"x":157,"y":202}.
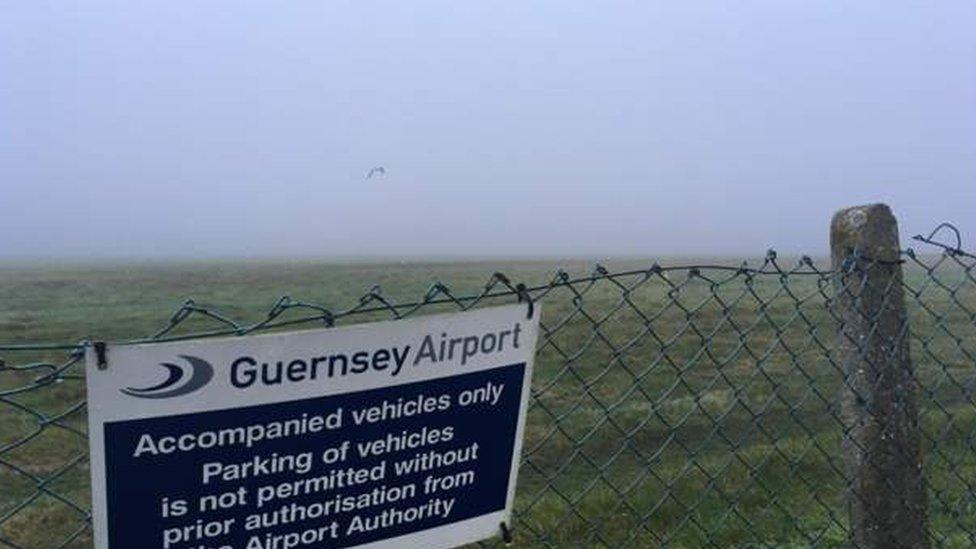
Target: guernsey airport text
{"x":246,"y":371}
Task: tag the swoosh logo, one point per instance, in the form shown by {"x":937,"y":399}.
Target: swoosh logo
{"x":180,"y":380}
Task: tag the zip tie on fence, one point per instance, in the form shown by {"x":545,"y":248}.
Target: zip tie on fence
{"x":328,"y":318}
{"x":523,"y":296}
{"x":506,"y":533}
{"x":100,"y":358}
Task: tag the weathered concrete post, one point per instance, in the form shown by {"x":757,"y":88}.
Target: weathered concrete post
{"x":887,"y":498}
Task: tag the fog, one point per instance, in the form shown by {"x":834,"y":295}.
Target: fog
{"x":243,"y":129}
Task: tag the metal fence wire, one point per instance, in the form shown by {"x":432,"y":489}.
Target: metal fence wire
{"x":682,"y":406}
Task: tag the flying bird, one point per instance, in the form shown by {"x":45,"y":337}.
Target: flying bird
{"x":378,"y":170}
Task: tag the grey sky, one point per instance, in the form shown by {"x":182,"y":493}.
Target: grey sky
{"x":580,"y":128}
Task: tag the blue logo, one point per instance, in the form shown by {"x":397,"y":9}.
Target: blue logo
{"x":181,"y":380}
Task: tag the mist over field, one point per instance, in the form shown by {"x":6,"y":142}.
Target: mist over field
{"x":546,"y":129}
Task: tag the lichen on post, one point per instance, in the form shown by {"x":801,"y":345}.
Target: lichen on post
{"x":879,"y":406}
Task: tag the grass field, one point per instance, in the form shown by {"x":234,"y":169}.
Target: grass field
{"x":665,"y":411}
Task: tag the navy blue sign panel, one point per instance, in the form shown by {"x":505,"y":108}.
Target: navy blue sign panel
{"x":333,"y":471}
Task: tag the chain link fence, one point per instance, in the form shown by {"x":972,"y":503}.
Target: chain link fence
{"x":682,"y":406}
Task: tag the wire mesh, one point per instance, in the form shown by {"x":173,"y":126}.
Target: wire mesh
{"x":681,"y":406}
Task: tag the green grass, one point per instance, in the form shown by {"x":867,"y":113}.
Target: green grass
{"x":688,"y":417}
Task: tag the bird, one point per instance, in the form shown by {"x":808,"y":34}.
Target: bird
{"x":378,"y":170}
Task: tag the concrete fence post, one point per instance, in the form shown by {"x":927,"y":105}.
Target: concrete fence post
{"x":879,"y":407}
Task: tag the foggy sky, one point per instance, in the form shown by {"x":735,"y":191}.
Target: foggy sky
{"x":516,"y":128}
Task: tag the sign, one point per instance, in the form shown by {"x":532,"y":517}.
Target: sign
{"x":403,"y":433}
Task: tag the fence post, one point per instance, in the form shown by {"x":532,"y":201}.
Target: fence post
{"x":879,"y":407}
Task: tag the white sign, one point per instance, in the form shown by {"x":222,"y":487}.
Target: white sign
{"x":403,"y":433}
